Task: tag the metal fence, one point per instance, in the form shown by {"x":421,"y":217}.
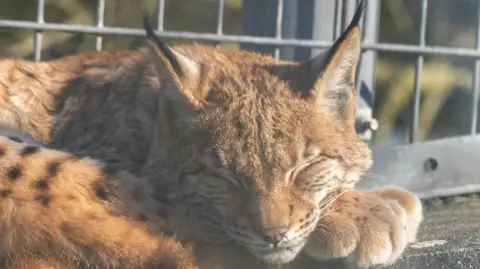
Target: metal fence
{"x":296,"y":29}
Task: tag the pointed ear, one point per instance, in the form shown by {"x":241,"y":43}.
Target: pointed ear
{"x":330,"y":77}
{"x":185,"y":73}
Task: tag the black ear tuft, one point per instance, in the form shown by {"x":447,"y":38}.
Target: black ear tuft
{"x":159,"y":44}
{"x":151,"y":33}
{"x":353,"y":25}
{"x":147,"y":25}
{"x":358,"y":14}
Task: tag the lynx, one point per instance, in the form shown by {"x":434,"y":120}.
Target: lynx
{"x":188,"y":157}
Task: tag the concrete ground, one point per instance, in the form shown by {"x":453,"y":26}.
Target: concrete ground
{"x":449,"y":237}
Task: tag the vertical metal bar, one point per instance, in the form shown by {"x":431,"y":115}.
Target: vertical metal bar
{"x":365,"y":77}
{"x":307,"y":27}
{"x":160,"y":15}
{"x":278,"y":27}
{"x":418,"y":74}
{"x":338,"y":19}
{"x":100,"y":22}
{"x":323,"y":23}
{"x":475,"y":82}
{"x":258,"y":19}
{"x":220,"y":11}
{"x":37,"y":41}
{"x":290,"y":24}
{"x":348,"y":10}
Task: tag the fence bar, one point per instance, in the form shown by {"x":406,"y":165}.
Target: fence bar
{"x":278,"y":27}
{"x":290,"y":27}
{"x":337,"y":30}
{"x":418,"y":75}
{"x":476,"y":82}
{"x":160,"y":14}
{"x":323,"y":23}
{"x":100,"y":22}
{"x":365,"y":123}
{"x":37,"y":41}
{"x":258,"y":20}
{"x":261,"y":41}
{"x":220,"y":12}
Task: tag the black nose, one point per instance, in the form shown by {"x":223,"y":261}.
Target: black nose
{"x":274,"y":236}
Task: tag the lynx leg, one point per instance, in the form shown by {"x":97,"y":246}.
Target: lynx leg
{"x":55,"y":205}
{"x":367,"y":229}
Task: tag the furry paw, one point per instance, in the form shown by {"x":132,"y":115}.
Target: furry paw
{"x":367,"y":229}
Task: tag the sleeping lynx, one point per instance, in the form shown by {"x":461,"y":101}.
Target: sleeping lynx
{"x":188,"y":157}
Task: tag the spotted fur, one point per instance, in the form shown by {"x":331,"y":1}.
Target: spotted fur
{"x":57,"y":205}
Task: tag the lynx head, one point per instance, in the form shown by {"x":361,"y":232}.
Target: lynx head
{"x":267,"y":140}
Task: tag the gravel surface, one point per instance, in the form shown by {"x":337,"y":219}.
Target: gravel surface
{"x":449,"y":237}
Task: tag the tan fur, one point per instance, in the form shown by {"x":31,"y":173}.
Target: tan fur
{"x":231,"y":151}
{"x":67,"y":217}
{"x":56,"y":205}
{"x":32,"y":263}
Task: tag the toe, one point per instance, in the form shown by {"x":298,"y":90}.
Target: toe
{"x":336,"y":236}
{"x":411,"y":205}
{"x":375,"y":246}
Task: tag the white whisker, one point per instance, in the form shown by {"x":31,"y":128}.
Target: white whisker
{"x":331,"y":200}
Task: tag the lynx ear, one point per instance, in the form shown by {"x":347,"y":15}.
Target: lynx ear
{"x":186,"y":73}
{"x":332,"y":74}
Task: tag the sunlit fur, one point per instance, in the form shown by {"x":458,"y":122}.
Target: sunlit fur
{"x":252,"y":152}
{"x":256,"y":151}
{"x":234,"y":141}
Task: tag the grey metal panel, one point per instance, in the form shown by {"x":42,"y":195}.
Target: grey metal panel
{"x":434,"y":168}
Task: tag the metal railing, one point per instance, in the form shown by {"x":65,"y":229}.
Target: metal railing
{"x":340,"y":11}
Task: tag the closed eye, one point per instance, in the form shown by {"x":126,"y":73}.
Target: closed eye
{"x":315,"y":176}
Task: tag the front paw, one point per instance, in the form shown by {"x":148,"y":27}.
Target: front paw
{"x":367,"y":229}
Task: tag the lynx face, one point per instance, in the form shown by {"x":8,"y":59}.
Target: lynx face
{"x":266,"y":140}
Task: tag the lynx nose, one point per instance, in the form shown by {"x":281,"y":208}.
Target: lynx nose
{"x":274,"y":236}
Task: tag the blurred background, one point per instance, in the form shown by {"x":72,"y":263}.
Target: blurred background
{"x":446,"y":83}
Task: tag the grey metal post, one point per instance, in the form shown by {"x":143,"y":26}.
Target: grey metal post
{"x":289,"y":28}
{"x":323,"y":23}
{"x":365,"y":123}
{"x":258,"y":19}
